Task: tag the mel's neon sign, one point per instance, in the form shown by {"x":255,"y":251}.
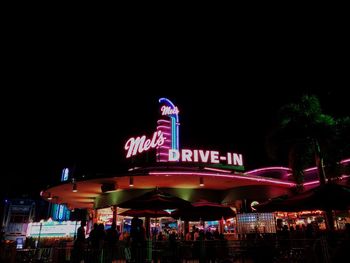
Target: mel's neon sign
{"x":167,"y":110}
{"x":140,"y":144}
{"x":202,"y":156}
{"x":166,"y":141}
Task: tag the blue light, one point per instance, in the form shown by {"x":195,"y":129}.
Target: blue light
{"x":65,"y":175}
{"x":173,"y":133}
{"x":60,"y":212}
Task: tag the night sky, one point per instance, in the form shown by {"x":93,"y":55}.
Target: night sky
{"x":56,"y":127}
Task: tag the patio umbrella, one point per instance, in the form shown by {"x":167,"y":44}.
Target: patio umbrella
{"x":324,"y":197}
{"x":145,"y":213}
{"x":272,"y":205}
{"x":204,"y":210}
{"x":155,"y":200}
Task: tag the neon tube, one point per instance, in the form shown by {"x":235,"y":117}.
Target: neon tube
{"x":225,"y":176}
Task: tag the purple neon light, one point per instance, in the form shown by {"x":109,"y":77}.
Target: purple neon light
{"x":317,"y":181}
{"x":163,"y":154}
{"x":225,"y":176}
{"x":166,"y":121}
{"x":311,"y":182}
{"x":163,"y":150}
{"x":163,"y":147}
{"x":163,"y":127}
{"x":268,"y":169}
{"x":310,"y":169}
{"x":216,"y":170}
{"x":315,"y":168}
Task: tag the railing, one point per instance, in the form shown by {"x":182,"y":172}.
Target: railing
{"x":256,"y":250}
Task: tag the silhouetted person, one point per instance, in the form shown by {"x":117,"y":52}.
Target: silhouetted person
{"x":112,"y":237}
{"x":138,"y":237}
{"x":94,"y":242}
{"x":101,"y":234}
{"x":79,"y":243}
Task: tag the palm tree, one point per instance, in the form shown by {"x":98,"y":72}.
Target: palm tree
{"x":309,"y":135}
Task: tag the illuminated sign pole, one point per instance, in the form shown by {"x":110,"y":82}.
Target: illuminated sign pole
{"x":169,"y":127}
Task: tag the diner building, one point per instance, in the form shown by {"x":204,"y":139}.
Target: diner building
{"x":190,"y":174}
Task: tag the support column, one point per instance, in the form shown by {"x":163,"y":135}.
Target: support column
{"x":221,"y":226}
{"x":115,"y":214}
{"x":186,"y":227}
{"x":148,"y":227}
{"x":94,"y":218}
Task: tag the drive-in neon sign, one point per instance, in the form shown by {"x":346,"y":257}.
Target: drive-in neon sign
{"x":204,"y":156}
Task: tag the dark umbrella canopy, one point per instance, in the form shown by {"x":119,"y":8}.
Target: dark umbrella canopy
{"x":145,"y":213}
{"x":155,"y":200}
{"x":204,"y":210}
{"x":272,"y":205}
{"x":324,"y":197}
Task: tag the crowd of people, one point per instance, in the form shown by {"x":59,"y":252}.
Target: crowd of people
{"x":99,"y":240}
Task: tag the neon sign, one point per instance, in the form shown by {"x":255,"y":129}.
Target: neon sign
{"x":141,"y":144}
{"x":167,"y":110}
{"x":202,"y":156}
{"x":170,"y":110}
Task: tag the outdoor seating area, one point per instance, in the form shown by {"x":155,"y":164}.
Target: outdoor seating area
{"x":276,"y":250}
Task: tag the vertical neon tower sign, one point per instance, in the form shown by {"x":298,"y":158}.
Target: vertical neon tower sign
{"x":170,"y":127}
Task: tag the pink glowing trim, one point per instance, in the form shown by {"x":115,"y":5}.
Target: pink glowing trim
{"x":161,"y":150}
{"x":163,"y":147}
{"x":163,"y":127}
{"x":315,"y":168}
{"x":226,"y":176}
{"x":345,"y":161}
{"x":318,"y":182}
{"x":310,"y":169}
{"x":166,"y":121}
{"x":167,"y":133}
{"x":269,"y":169}
{"x":216,"y":170}
{"x":162,"y":154}
{"x":311,"y":182}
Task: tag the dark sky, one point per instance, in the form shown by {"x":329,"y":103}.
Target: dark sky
{"x":73,"y":95}
{"x":45,"y":131}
